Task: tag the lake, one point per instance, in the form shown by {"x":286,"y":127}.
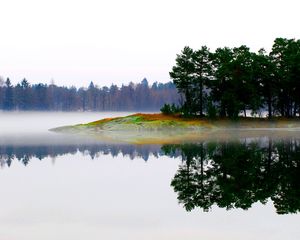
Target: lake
{"x":56,"y":186}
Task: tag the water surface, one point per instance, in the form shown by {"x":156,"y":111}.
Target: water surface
{"x":67,"y":187}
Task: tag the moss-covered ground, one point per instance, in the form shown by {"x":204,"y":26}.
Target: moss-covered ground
{"x":158,"y":128}
{"x":141,"y":121}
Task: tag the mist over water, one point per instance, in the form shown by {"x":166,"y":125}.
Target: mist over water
{"x":32,"y":128}
{"x":56,"y":186}
{"x":40,"y":122}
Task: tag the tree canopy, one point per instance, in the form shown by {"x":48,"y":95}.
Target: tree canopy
{"x":237,"y":80}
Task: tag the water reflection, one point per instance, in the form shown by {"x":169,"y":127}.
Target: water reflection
{"x":229,"y":174}
{"x":24,"y":153}
{"x":238,"y":174}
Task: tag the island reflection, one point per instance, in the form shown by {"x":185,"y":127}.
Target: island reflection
{"x":229,"y":174}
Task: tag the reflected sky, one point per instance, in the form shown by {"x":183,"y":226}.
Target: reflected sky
{"x":115,"y":196}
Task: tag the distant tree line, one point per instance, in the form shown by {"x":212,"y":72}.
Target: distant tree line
{"x":231,"y":81}
{"x":131,"y":97}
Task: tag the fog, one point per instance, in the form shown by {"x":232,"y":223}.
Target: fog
{"x":32,"y":128}
{"x":41,"y":122}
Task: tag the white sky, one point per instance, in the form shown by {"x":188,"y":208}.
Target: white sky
{"x":117,"y":41}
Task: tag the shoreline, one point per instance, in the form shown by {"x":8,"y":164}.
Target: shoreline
{"x":158,"y":121}
{"x":161,"y":129}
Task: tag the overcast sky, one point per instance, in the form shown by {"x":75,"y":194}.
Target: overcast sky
{"x":118,"y":41}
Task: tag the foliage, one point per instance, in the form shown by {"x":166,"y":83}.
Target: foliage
{"x":166,"y":109}
{"x":170,"y":109}
{"x":237,"y":80}
{"x":190,"y":75}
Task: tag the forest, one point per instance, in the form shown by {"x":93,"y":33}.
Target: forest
{"x":42,"y":97}
{"x":230,"y":82}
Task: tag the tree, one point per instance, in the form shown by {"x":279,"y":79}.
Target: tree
{"x":244,"y":84}
{"x":233,"y":87}
{"x":265,"y":75}
{"x":92,"y":96}
{"x":235,"y":80}
{"x":285,"y":55}
{"x":183,"y":75}
{"x":8,"y":95}
{"x":221,"y":85}
{"x":202,"y":75}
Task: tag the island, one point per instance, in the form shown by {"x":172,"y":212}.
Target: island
{"x":164,"y":128}
{"x":223,"y":93}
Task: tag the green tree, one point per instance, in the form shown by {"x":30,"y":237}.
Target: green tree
{"x":183,"y":75}
{"x":202,"y":60}
{"x":244,"y":84}
{"x":285,"y":55}
{"x":265,"y":75}
{"x":235,"y":87}
{"x":221,"y":86}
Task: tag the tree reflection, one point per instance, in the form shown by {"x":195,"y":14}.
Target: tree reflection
{"x":24,"y":154}
{"x":238,"y":174}
{"x":230,"y":174}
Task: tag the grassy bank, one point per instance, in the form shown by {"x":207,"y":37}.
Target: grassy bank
{"x":175,"y":122}
{"x":162,"y":129}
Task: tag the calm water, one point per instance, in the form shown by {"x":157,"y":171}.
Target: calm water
{"x":68,"y":187}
